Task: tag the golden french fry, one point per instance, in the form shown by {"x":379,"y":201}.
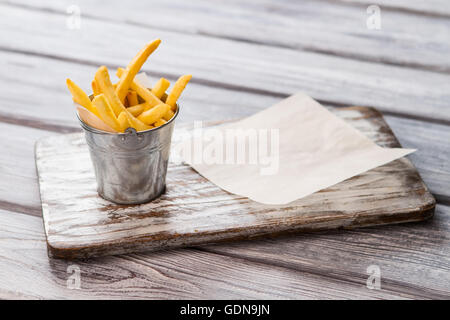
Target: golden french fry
{"x":80,"y":97}
{"x":136,"y":123}
{"x":145,"y":94}
{"x":109,"y":100}
{"x":160,"y":122}
{"x":177,"y":90}
{"x":105,"y":86}
{"x":106,"y":112}
{"x":138,"y":109}
{"x":92,"y":120}
{"x":123,"y":121}
{"x":154,"y":114}
{"x":95,"y":89}
{"x":160,"y":87}
{"x":133,"y":68}
{"x":132,"y":98}
{"x":169,"y":114}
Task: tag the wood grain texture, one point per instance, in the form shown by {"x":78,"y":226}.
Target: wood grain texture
{"x":19,"y":189}
{"x":265,"y":70}
{"x":431,"y":160}
{"x":411,"y":257}
{"x":27,"y":273}
{"x":79,"y":224}
{"x":310,"y":25}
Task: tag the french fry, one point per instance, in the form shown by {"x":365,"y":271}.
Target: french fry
{"x":169,"y":114}
{"x":160,"y":122}
{"x":95,"y":89}
{"x":139,"y":108}
{"x":145,"y":94}
{"x":123,"y":121}
{"x":116,"y":107}
{"x":151,"y":98}
{"x":154,"y":114}
{"x":92,"y":120}
{"x":177,"y":90}
{"x":106,"y":112}
{"x":160,"y":87}
{"x":105,"y":85}
{"x":133,"y":68}
{"x":136,"y":123}
{"x":132,"y":98}
{"x":80,"y":97}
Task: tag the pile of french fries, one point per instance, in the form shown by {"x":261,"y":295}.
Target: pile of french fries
{"x":116,"y":107}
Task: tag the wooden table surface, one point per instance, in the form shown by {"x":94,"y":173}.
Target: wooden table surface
{"x":244,"y":56}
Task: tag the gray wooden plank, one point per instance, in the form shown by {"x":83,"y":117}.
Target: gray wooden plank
{"x":18,"y":187}
{"x":235,"y":65}
{"x":411,"y":257}
{"x":187,"y":274}
{"x":429,"y":7}
{"x":332,"y":27}
{"x":432,"y":159}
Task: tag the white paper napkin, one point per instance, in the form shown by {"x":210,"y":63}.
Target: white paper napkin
{"x":301,"y":148}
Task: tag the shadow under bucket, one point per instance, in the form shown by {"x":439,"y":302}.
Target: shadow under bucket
{"x":130,"y":167}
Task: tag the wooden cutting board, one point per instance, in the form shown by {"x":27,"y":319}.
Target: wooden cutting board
{"x":80,"y":224}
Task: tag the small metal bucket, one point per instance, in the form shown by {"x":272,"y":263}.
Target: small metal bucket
{"x":130,"y":167}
